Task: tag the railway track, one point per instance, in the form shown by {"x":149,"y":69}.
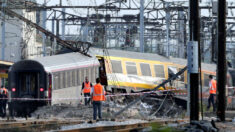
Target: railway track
{"x":124,"y":128}
{"x":57,"y":126}
{"x":33,"y":125}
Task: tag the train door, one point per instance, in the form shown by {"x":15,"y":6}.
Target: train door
{"x":28,"y":84}
{"x":102,"y":72}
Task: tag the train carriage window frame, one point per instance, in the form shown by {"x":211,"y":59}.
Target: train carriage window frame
{"x":69,"y":78}
{"x":79,"y":76}
{"x":93,"y":74}
{"x":131,"y":68}
{"x":75,"y":77}
{"x":63,"y":79}
{"x":56,"y":80}
{"x":145,"y":69}
{"x":82,"y":75}
{"x":116,"y":66}
{"x":156,"y":70}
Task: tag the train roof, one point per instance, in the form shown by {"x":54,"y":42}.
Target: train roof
{"x":147,"y":56}
{"x":66,"y":61}
{"x":129,"y":54}
{"x":73,"y":60}
{"x":205,"y":66}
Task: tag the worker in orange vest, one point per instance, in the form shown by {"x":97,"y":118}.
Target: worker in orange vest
{"x":4,"y":96}
{"x":86,"y":89}
{"x":212,"y":90}
{"x":98,"y":95}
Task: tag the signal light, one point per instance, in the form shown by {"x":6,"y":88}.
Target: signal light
{"x":13,"y":89}
{"x":41,"y":89}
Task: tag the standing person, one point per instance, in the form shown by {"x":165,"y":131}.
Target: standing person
{"x":1,"y":101}
{"x":98,"y":95}
{"x":86,"y":88}
{"x":212,"y":90}
{"x":4,"y":92}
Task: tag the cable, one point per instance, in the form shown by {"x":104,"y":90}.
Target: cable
{"x":160,"y":105}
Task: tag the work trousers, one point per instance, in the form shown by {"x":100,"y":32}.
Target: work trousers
{"x":4,"y":105}
{"x":211,"y":99}
{"x":97,"y":107}
{"x":87,"y":100}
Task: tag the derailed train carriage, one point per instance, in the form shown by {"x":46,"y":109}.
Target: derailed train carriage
{"x":58,"y":79}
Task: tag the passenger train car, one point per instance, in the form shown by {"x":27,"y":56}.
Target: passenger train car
{"x":51,"y":78}
{"x":58,"y":78}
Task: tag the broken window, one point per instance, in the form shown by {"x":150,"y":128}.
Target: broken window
{"x":131,"y":68}
{"x":145,"y":69}
{"x":159,"y":71}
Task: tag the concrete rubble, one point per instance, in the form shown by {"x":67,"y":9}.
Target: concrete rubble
{"x":141,"y":110}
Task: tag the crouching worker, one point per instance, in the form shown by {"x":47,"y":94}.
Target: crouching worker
{"x":98,"y":95}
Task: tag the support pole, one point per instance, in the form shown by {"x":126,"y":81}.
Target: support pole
{"x":221,"y":61}
{"x":142,"y":26}
{"x":3,"y":30}
{"x":53,"y":31}
{"x":57,"y":31}
{"x":181,"y":28}
{"x":43,"y":35}
{"x":63,"y":24}
{"x":194,"y":29}
{"x":168,"y":15}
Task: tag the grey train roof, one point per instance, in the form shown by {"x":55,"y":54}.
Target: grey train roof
{"x":129,"y":54}
{"x":51,"y":63}
{"x":147,"y":56}
{"x":55,"y":62}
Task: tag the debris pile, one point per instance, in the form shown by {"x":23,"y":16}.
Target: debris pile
{"x":146,"y":109}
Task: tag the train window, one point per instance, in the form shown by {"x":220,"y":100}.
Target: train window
{"x":69,"y":79}
{"x":206,"y":80}
{"x":116,"y":66}
{"x":172,"y":71}
{"x":86,"y":74}
{"x":131,"y":68}
{"x":82,"y":75}
{"x":89,"y":74}
{"x":159,"y":71}
{"x":79,"y":77}
{"x":74,"y":77}
{"x":23,"y":83}
{"x":93,"y":74}
{"x":145,"y":69}
{"x":63,"y":80}
{"x":56,"y":80}
{"x":182,"y":76}
{"x":33,"y":83}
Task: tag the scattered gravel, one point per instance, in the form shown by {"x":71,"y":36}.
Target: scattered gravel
{"x":101,"y":123}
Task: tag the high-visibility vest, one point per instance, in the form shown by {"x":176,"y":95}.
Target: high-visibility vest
{"x":4,"y":91}
{"x":87,"y":87}
{"x":98,"y":93}
{"x":212,"y":86}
